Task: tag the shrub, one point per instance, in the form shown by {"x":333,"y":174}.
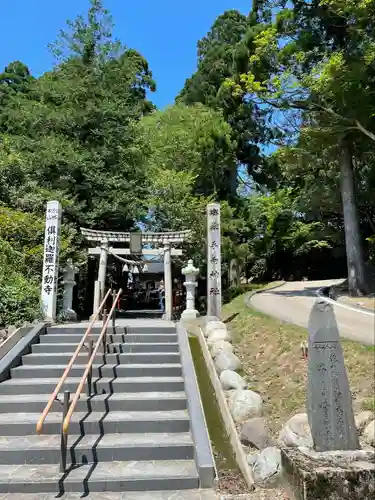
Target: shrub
{"x":19,"y":295}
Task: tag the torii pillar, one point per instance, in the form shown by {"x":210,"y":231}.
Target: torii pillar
{"x":168,"y":282}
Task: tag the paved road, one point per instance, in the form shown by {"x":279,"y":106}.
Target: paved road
{"x":293,"y":302}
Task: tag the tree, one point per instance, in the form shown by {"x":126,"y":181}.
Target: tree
{"x":192,"y":139}
{"x":75,"y":134}
{"x":15,"y":78}
{"x":220,"y":56}
{"x":322,"y":68}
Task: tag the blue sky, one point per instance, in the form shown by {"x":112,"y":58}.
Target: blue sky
{"x":164,"y":31}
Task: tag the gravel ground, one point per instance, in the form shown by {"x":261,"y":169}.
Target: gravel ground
{"x":233,"y":487}
{"x":258,"y":494}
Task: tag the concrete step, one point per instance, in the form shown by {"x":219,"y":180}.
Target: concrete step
{"x":111,"y":349}
{"x":100,"y":385}
{"x":64,"y":358}
{"x":99,"y":370}
{"x":22,"y":424}
{"x":96,"y":448}
{"x":126,"y":401}
{"x":138,"y":330}
{"x":100,"y":477}
{"x":196,"y":494}
{"x":139,"y":340}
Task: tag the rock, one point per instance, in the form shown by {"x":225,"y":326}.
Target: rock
{"x":3,"y":335}
{"x":363,"y":419}
{"x":231,"y":380}
{"x":369,"y":433}
{"x":245,"y":404}
{"x":255,"y":432}
{"x":266,"y":466}
{"x":217,"y":335}
{"x":11,"y":329}
{"x":227,"y":361}
{"x":219,"y":346}
{"x":212,"y":326}
{"x":296,"y":432}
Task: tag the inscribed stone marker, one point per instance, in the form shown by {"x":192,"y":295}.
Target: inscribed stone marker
{"x":213,"y":260}
{"x":330,"y":410}
{"x":51,"y":260}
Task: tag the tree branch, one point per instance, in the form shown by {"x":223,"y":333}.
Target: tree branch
{"x":364,"y":130}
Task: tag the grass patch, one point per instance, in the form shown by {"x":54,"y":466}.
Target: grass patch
{"x":271,"y":360}
{"x":219,"y":439}
{"x":369,"y":404}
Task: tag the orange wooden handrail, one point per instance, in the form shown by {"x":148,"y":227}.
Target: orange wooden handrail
{"x":65,"y":426}
{"x":60,"y":383}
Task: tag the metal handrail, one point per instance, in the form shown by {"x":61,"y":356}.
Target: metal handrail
{"x":102,"y":338}
{"x":60,"y":383}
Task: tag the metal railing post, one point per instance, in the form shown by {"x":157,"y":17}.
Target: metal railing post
{"x":64,"y":436}
{"x":89,"y":376}
{"x":105,"y":331}
{"x":114,"y":311}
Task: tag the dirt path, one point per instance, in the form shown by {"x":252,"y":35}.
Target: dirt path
{"x":293,"y":301}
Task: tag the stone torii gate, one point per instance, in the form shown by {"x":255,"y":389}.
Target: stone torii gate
{"x":162,"y":241}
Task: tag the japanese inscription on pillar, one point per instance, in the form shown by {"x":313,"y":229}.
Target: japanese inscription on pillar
{"x":51,"y":259}
{"x":213,"y":260}
{"x":330,"y":408}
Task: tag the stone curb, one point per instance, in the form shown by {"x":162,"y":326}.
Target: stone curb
{"x":249,"y":295}
{"x":225,"y":413}
{"x":12,"y":358}
{"x":204,"y":458}
{"x":324,"y":293}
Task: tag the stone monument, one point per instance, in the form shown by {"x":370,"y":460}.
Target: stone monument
{"x":213,"y":260}
{"x":69,"y":272}
{"x":190,"y":272}
{"x":330,"y":410}
{"x":334,"y":468}
{"x":51,"y":260}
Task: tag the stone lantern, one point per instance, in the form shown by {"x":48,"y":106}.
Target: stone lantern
{"x":190,"y":272}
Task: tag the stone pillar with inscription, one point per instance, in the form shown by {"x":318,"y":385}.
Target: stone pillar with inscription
{"x":213,"y":260}
{"x":330,"y":410}
{"x":51,"y":260}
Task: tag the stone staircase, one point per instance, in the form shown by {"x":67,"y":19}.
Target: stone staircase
{"x":134,"y":433}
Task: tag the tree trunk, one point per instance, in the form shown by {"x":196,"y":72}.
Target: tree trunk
{"x":358,"y":284}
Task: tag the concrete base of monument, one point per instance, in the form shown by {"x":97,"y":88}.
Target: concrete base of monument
{"x":190,"y":314}
{"x":335,"y":475}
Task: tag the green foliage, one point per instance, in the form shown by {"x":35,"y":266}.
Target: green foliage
{"x":278,"y":235}
{"x":70,"y":135}
{"x":14,"y":79}
{"x":193,"y":139}
{"x":19,"y":295}
{"x":75,"y":134}
{"x":220,"y":56}
{"x":310,"y":65}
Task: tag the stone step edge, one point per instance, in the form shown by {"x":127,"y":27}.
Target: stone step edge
{"x":118,"y":396}
{"x":112,"y":416}
{"x":92,"y":441}
{"x":76,"y":380}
